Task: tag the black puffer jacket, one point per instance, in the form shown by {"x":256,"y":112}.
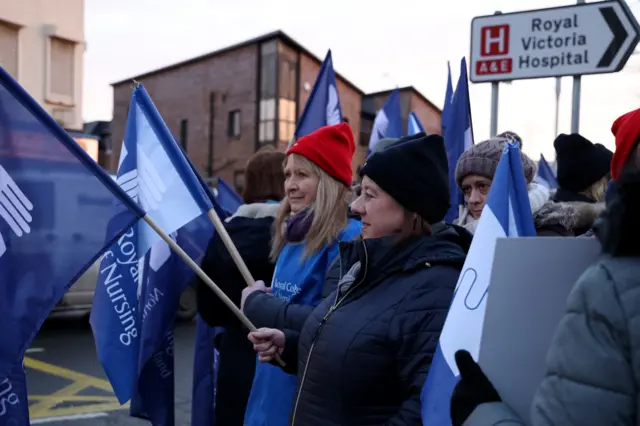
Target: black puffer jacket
{"x":364,"y":352}
{"x":250,"y":231}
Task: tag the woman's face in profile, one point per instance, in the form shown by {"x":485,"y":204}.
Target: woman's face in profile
{"x":381,"y":215}
{"x":300,"y":184}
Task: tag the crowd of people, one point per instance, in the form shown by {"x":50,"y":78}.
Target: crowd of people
{"x":356,"y":279}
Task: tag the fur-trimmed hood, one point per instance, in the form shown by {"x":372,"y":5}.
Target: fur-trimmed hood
{"x":256,"y":211}
{"x":558,"y":218}
{"x":573,"y":216}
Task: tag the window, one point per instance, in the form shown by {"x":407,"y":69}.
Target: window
{"x":288,"y":74}
{"x":366,"y":125}
{"x":268,"y":83}
{"x":267,"y":120}
{"x":233,"y":128}
{"x":9,"y":48}
{"x":269,"y":70}
{"x":61,"y":70}
{"x":184,"y":133}
{"x":286,"y":119}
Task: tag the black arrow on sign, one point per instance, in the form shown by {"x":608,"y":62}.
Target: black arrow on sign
{"x":619,"y":36}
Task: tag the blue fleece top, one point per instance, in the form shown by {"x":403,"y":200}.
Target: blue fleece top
{"x":298,"y":281}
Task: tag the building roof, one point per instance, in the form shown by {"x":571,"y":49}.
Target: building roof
{"x":405,"y":89}
{"x":281,"y":35}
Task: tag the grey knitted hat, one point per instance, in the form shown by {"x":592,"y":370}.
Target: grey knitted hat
{"x":482,"y":159}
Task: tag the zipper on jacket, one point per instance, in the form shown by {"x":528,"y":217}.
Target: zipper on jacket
{"x":336,"y":304}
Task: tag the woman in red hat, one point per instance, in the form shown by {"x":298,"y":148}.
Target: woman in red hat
{"x":312,"y":219}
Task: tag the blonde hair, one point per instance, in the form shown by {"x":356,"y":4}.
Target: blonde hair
{"x":598,"y":190}
{"x":330,"y":210}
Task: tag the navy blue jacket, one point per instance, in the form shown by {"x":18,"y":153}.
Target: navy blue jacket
{"x":364,"y":352}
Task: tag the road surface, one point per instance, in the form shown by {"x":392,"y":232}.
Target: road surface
{"x":67,"y":385}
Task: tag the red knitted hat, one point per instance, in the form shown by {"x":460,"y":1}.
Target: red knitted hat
{"x":626,"y":129}
{"x":331,"y":148}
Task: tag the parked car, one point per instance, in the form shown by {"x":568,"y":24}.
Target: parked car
{"x":77,"y":301}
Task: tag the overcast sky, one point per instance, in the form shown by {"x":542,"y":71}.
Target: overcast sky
{"x":377,"y":47}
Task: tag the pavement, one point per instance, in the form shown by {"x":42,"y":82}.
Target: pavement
{"x":67,"y":385}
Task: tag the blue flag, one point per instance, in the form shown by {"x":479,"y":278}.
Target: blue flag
{"x":323,"y":106}
{"x":227,"y":198}
{"x":56,"y":207}
{"x":165,"y":277}
{"x":414,"y":125}
{"x":388,"y":121}
{"x":458,"y":137}
{"x":448,"y":99}
{"x":506,"y":214}
{"x":205,"y":372}
{"x":155,"y":172}
{"x":545,"y":175}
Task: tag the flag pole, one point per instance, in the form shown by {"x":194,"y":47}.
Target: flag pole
{"x":233,"y":251}
{"x":205,"y":278}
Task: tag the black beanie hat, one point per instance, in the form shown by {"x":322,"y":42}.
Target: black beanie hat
{"x":580,"y":162}
{"x":414,"y":171}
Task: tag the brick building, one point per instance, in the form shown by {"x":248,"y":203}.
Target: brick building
{"x":224,"y":106}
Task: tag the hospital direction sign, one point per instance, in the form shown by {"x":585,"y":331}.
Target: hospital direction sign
{"x":589,"y":38}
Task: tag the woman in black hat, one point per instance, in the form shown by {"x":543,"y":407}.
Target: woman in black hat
{"x":583,"y":175}
{"x":364,"y":353}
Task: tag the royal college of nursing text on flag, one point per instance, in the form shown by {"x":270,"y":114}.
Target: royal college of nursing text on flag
{"x":506,"y":214}
{"x":155,"y":172}
{"x":59,"y":211}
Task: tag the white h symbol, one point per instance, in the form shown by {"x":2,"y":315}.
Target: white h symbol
{"x":489,"y":40}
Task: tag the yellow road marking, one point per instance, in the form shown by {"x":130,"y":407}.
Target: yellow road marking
{"x":44,"y":405}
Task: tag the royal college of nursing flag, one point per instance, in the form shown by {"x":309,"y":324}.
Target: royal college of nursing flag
{"x":155,"y":173}
{"x":458,"y":135}
{"x":388,"y":121}
{"x":506,"y":214}
{"x":323,"y":106}
{"x":56,"y":207}
{"x":414,"y":126}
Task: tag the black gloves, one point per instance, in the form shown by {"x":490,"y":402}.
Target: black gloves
{"x":473,"y":389}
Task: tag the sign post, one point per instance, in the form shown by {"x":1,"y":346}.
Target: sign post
{"x":495,"y":102}
{"x":577,"y":40}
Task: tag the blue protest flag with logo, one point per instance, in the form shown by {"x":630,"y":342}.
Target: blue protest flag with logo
{"x":458,"y":137}
{"x":323,"y":106}
{"x":156,"y":174}
{"x":56,"y":208}
{"x":506,"y":214}
{"x":388,"y":121}
{"x":414,"y":126}
{"x":167,"y":275}
{"x":14,"y":407}
{"x":165,"y":278}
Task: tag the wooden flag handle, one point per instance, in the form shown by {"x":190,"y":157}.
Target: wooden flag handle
{"x":235,"y":255}
{"x":205,"y":278}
